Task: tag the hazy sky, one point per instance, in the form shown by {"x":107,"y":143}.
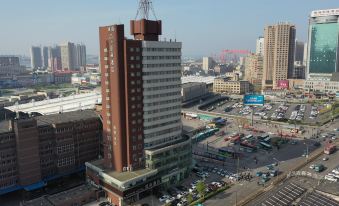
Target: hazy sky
{"x":204,"y":26}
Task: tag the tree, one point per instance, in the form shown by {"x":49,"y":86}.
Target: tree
{"x":201,"y":188}
{"x":189,"y":198}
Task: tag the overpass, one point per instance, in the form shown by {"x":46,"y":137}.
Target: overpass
{"x":61,"y":104}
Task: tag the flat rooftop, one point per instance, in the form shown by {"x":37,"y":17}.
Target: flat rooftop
{"x":39,"y":202}
{"x":202,"y":79}
{"x":122,"y":176}
{"x":66,"y":117}
{"x":73,"y":193}
{"x":60,"y":198}
{"x":188,"y":84}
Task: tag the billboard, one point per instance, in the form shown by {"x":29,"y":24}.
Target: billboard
{"x":283,"y":84}
{"x":254,"y":100}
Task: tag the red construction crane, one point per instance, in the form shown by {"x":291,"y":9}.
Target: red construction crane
{"x":228,"y":54}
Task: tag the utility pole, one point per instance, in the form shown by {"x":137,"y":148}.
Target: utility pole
{"x":252,"y":116}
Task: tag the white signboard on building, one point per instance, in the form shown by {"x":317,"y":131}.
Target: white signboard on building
{"x":327,"y":12}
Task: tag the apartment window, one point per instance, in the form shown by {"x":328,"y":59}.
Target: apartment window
{"x":131,"y":49}
{"x":131,"y":58}
{"x":139,"y":137}
{"x":137,"y":49}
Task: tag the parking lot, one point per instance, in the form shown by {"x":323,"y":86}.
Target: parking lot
{"x":305,"y":113}
{"x":293,"y":113}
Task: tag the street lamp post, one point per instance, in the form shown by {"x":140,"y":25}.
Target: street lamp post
{"x":306,"y":151}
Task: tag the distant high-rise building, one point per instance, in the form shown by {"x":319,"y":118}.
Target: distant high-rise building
{"x":323,"y":44}
{"x":254,"y":69}
{"x":54,"y":62}
{"x":298,"y":71}
{"x":299,"y":52}
{"x":68,"y":56}
{"x":260,"y":46}
{"x":278,"y":54}
{"x":141,"y":112}
{"x":36,"y":57}
{"x":45,"y":57}
{"x":305,"y":55}
{"x":73,"y":56}
{"x":81,"y":55}
{"x":207,"y":64}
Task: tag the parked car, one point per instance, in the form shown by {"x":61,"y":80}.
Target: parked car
{"x":164,"y":198}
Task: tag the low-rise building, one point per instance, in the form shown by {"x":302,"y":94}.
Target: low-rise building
{"x":193,"y":90}
{"x":37,"y":150}
{"x":225,"y":85}
{"x":321,"y":86}
{"x":10,"y":66}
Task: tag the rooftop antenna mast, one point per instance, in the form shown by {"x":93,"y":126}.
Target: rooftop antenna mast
{"x":145,"y":7}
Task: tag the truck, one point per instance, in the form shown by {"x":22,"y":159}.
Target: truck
{"x":329,"y":149}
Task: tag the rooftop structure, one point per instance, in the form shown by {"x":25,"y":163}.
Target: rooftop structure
{"x":207,"y":80}
{"x":60,"y":105}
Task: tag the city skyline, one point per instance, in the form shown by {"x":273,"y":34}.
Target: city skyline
{"x":43,"y":24}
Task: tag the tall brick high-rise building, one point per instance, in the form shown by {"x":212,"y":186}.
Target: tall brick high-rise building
{"x":141,"y":91}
